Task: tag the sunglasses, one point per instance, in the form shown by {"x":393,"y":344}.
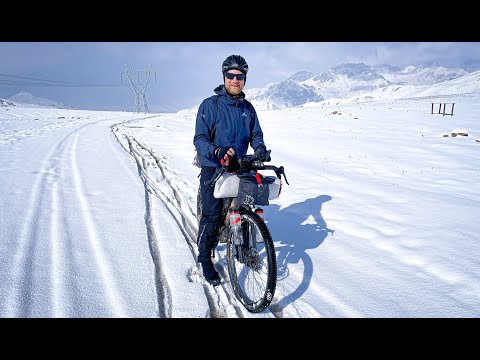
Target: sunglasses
{"x":230,"y":76}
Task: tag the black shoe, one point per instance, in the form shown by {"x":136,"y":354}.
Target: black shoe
{"x":210,"y":274}
{"x":214,"y":282}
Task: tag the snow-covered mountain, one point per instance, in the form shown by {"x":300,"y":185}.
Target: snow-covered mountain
{"x":346,"y":79}
{"x":412,"y":75}
{"x":285,"y":94}
{"x":28,"y":100}
{"x":466,"y":84}
{"x":361,"y":82}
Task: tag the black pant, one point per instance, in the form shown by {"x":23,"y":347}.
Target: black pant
{"x":211,"y":219}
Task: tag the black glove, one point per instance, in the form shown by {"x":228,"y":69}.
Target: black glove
{"x":221,"y":151}
{"x":261,"y":153}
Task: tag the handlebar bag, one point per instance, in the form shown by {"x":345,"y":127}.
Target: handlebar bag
{"x":251,"y":192}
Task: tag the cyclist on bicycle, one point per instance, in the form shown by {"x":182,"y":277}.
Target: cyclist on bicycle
{"x":226,"y":125}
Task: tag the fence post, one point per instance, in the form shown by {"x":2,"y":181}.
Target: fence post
{"x":444,"y":111}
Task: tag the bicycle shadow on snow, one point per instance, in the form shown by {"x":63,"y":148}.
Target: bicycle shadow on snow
{"x":295,"y":229}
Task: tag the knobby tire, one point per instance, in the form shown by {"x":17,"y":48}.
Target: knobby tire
{"x":254,"y":288}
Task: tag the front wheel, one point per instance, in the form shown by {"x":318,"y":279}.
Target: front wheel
{"x":252,"y":266}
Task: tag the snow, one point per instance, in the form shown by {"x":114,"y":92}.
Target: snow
{"x":98,"y":213}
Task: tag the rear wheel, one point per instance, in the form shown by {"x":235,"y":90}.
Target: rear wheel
{"x":252,"y":267}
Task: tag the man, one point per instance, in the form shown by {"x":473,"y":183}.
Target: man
{"x":226,"y":125}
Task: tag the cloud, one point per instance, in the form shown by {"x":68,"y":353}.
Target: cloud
{"x":187,"y":71}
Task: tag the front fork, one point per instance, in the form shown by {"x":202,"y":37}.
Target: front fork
{"x":246,"y":251}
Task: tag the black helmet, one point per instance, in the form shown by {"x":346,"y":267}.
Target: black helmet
{"x":235,"y":62}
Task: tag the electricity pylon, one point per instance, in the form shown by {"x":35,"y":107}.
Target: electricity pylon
{"x":140,"y":99}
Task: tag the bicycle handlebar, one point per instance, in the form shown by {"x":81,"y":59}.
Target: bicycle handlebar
{"x":245,"y":164}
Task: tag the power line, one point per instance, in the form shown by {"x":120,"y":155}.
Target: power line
{"x":2,"y":82}
{"x":30,"y":78}
{"x":7,"y":82}
{"x":44,"y":82}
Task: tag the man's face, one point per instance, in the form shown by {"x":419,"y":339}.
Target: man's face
{"x":234,"y":86}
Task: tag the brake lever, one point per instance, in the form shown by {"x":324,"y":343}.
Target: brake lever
{"x":282,"y":171}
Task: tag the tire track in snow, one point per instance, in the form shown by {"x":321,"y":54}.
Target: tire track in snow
{"x":56,"y":255}
{"x":164,"y":295}
{"x":43,"y":261}
{"x":101,"y":260}
{"x":151,"y":236}
{"x":163,"y":289}
{"x":23,"y":295}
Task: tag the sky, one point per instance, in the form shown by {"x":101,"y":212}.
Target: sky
{"x":88,"y":75}
{"x":380,"y":219}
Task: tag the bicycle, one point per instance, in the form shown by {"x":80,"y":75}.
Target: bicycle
{"x":251,"y":258}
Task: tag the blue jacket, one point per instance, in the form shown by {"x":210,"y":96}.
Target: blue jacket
{"x":225,"y":121}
